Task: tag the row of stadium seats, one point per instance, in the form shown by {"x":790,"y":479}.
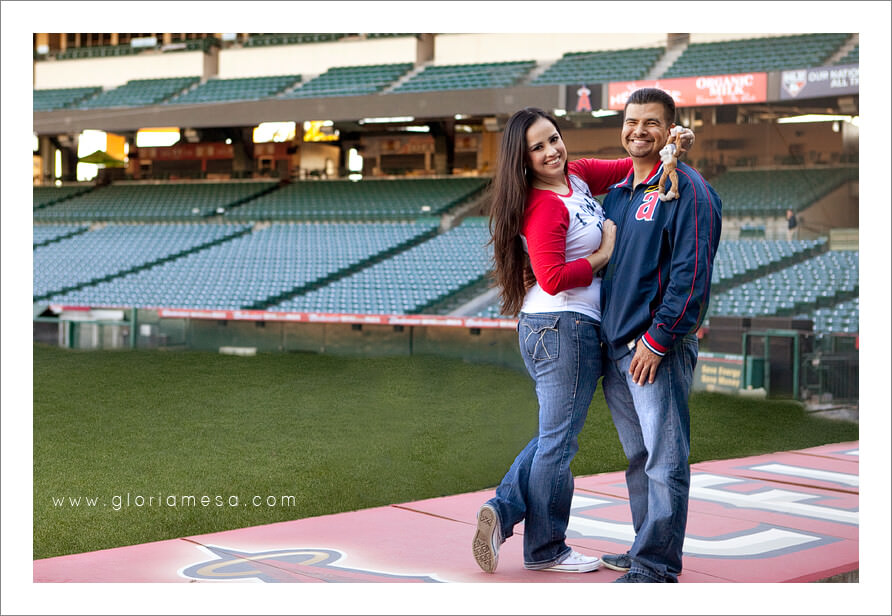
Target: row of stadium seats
{"x":740,"y":260}
{"x":151,"y":202}
{"x":760,"y":54}
{"x":45,"y":234}
{"x":48,"y":195}
{"x":820,"y":281}
{"x":199,"y":44}
{"x":351,"y":81}
{"x":371,"y":200}
{"x":117,"y":249}
{"x":600,"y":66}
{"x":245,"y":88}
{"x":745,"y":192}
{"x":111,"y":51}
{"x":96,"y":51}
{"x":409,"y":281}
{"x":467,"y":76}
{"x":247,"y":270}
{"x":60,"y":98}
{"x":139,"y":93}
{"x":769,"y":192}
{"x":294,"y":38}
{"x":839,"y":318}
{"x":811,"y":289}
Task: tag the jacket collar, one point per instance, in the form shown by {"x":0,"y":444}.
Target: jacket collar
{"x":651,"y":177}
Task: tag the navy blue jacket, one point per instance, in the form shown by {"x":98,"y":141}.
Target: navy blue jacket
{"x":656,"y":286}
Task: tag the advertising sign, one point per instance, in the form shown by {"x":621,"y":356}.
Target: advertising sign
{"x":695,"y":91}
{"x":817,"y":82}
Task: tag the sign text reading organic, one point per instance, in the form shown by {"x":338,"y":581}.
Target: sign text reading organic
{"x":691,"y":91}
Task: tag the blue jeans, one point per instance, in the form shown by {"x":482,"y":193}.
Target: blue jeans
{"x":561,"y":351}
{"x":653,"y":423}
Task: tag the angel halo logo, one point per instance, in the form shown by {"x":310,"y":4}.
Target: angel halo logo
{"x":286,"y":565}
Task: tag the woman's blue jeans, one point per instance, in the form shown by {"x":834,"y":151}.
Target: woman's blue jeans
{"x":562,"y":353}
{"x":653,"y":423}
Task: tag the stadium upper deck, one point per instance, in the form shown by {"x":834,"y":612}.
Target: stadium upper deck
{"x":505,"y":70}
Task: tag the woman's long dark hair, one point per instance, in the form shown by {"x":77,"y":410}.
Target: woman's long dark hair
{"x":509,"y":190}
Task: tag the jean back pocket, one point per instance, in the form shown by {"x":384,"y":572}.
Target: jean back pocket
{"x":539,"y":337}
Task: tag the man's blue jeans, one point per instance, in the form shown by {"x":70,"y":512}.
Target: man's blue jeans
{"x":561,"y":351}
{"x":653,"y":423}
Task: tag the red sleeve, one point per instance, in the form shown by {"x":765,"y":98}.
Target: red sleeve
{"x":600,"y":174}
{"x":545,"y":229}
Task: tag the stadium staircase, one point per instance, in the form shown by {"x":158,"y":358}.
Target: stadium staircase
{"x":848,"y":53}
{"x":456,"y":303}
{"x":668,"y":59}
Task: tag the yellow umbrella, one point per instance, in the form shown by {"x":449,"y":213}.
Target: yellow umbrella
{"x":102,"y":158}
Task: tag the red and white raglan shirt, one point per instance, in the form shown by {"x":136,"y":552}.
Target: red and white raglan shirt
{"x":560,"y":230}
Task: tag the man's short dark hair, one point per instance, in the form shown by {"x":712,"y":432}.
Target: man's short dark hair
{"x":653,"y":95}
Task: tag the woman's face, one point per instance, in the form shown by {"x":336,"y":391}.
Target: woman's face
{"x":546,"y":153}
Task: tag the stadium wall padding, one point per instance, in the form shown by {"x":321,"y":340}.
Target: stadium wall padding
{"x":477,"y":345}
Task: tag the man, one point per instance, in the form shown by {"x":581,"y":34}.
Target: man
{"x":654,"y":297}
{"x":791,"y":225}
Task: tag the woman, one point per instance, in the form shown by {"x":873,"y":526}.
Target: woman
{"x":550,"y":241}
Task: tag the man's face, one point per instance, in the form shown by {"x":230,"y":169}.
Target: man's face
{"x":645,"y":130}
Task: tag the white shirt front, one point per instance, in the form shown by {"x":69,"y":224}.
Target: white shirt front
{"x":586,"y":219}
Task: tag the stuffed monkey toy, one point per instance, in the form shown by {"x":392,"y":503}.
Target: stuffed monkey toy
{"x":670,"y":153}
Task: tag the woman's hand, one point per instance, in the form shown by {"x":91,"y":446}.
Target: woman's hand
{"x":601,"y":256}
{"x":608,"y":238}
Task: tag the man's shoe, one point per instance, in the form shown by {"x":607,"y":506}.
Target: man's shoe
{"x":617,"y":562}
{"x":634,"y":577}
{"x":576,"y":563}
{"x":487,"y":539}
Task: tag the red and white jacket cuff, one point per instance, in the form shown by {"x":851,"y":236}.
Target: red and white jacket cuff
{"x":653,"y":345}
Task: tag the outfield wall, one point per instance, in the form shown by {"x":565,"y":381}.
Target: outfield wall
{"x":769,"y":365}
{"x":476,"y":340}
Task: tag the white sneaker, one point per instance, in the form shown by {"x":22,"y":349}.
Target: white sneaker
{"x":487,"y":539}
{"x":576,"y":563}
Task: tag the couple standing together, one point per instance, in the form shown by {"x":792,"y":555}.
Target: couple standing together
{"x":617,"y":292}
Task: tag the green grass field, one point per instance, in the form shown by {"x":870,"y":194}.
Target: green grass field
{"x":309,"y":435}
